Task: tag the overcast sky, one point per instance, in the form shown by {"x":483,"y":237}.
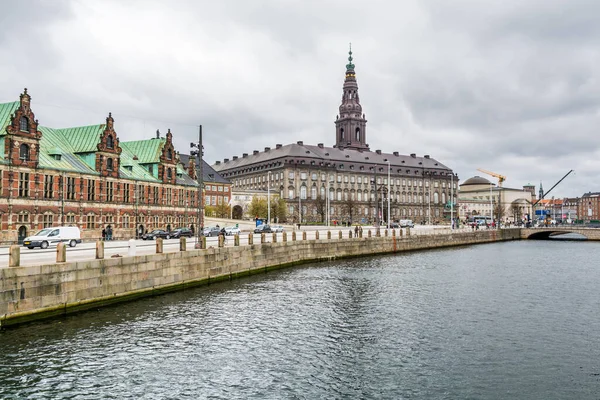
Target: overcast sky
{"x":511,"y":86}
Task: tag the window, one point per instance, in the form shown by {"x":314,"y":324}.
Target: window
{"x":436,"y":198}
{"x":359,"y":196}
{"x":168,"y":198}
{"x":303,"y":176}
{"x":23,"y":184}
{"x":47,"y":220}
{"x":180,"y":197}
{"x":24,"y":152}
{"x":214,"y":188}
{"x":141,"y":192}
{"x":339,"y":195}
{"x":169,"y":154}
{"x":291,"y":175}
{"x":169,"y":173}
{"x":126,"y":192}
{"x":109,"y":142}
{"x":70,"y":188}
{"x":220,"y":188}
{"x":314,"y":176}
{"x":155,"y":194}
{"x":435,"y":184}
{"x":48,"y":186}
{"x":443,"y":198}
{"x":90,"y":221}
{"x":23,"y":218}
{"x":291,"y":193}
{"x":109,"y":164}
{"x":303,"y":192}
{"x":352,"y":179}
{"x":322,"y":192}
{"x":70,"y":219}
{"x":109,"y":191}
{"x":346,"y":179}
{"x":359,"y":179}
{"x":91,"y":187}
{"x":125,"y":221}
{"x":24,"y":124}
{"x":226,"y":189}
{"x":213,"y":200}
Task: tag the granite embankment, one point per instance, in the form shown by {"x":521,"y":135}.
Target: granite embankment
{"x":32,"y":293}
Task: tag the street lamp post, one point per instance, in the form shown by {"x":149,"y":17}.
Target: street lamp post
{"x":268,"y":197}
{"x":389,"y":193}
{"x":198,"y":153}
{"x":452,"y":201}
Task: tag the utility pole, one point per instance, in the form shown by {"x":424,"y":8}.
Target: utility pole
{"x":199,"y":153}
{"x":268,"y":197}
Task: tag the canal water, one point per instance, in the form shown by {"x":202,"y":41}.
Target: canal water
{"x":516,"y":320}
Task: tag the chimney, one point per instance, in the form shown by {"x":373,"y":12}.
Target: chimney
{"x":226,"y":160}
{"x":396,"y":153}
{"x":413,"y":155}
{"x":426,"y":155}
{"x":157,"y":134}
{"x":244,"y":155}
{"x":255,"y":152}
{"x":235,"y":158}
{"x":378,"y":151}
{"x":267,"y":149}
{"x":300,"y":142}
{"x":278,"y":146}
{"x":218,"y":162}
{"x":320,"y":145}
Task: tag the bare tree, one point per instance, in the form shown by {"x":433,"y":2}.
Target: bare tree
{"x":349,"y":208}
{"x":321,"y":207}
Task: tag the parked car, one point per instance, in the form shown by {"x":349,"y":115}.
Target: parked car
{"x":232,"y":230}
{"x":181,"y":232}
{"x":407,"y":223}
{"x":394,"y":225}
{"x":211,"y":231}
{"x":277,"y":228}
{"x":53,"y":236}
{"x":264,"y":228}
{"x":155,"y":234}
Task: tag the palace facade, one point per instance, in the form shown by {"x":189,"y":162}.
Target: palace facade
{"x":86,"y":177}
{"x":347,"y":182}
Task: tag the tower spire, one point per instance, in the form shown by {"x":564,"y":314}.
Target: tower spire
{"x":350,"y":125}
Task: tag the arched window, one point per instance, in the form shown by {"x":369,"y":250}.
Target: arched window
{"x":169,"y":173}
{"x":109,"y":164}
{"x":169,"y":154}
{"x":443,"y":198}
{"x":109,"y":142}
{"x":358,"y":134}
{"x":313,"y":193}
{"x":24,"y":152}
{"x":322,"y":194}
{"x":24,"y":124}
{"x":436,"y":198}
{"x":303,"y":192}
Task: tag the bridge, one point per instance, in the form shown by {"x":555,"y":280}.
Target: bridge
{"x":556,"y":231}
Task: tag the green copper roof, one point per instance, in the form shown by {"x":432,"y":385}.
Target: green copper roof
{"x":147,"y":151}
{"x":83,"y":139}
{"x":54,"y":142}
{"x":6,"y":110}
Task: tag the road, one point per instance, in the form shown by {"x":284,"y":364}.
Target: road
{"x":87,"y":251}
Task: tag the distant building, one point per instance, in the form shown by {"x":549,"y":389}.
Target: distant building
{"x":479,"y":196}
{"x":347,"y":182}
{"x":589,"y":207}
{"x":86,"y":177}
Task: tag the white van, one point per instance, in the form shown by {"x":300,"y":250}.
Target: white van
{"x":53,"y":236}
{"x":406,"y":223}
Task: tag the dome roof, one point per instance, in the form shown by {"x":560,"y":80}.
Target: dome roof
{"x":476,"y":180}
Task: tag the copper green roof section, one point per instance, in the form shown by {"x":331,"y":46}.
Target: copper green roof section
{"x":56,"y":153}
{"x":83,"y":139}
{"x":147,"y":151}
{"x":130,"y":168}
{"x":6,"y":110}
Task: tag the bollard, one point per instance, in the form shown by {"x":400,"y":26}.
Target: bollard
{"x":263,"y":238}
{"x":400,"y":232}
{"x":99,"y":250}
{"x":340,"y":234}
{"x":316,"y":235}
{"x":14,"y":256}
{"x":304,"y":235}
{"x":236,"y":240}
{"x":131,"y":249}
{"x":378,"y":232}
{"x":393,"y":232}
{"x":350,"y":234}
{"x":328,"y":234}
{"x":385,"y":233}
{"x":284,"y":236}
{"x":182,"y":244}
{"x":250,"y":239}
{"x":274,"y":237}
{"x":221,"y":240}
{"x":407,"y":231}
{"x":294,"y":236}
{"x":203,"y":242}
{"x":369,"y":233}
{"x":360,"y":232}
{"x":159,"y":245}
{"x":61,"y":253}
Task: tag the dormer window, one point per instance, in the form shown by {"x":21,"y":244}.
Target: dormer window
{"x":24,"y":152}
{"x":24,"y":124}
{"x":169,"y":154}
{"x":110,"y":142}
{"x":109,"y":164}
{"x":169,"y":173}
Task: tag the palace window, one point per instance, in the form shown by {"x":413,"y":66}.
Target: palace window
{"x":436,"y":198}
{"x":47,"y":220}
{"x":23,"y":184}
{"x":110,"y":191}
{"x":109,"y":142}
{"x":70,"y":188}
{"x":48,"y":186}
{"x":91,"y":190}
{"x":24,"y":124}
{"x":303,"y":192}
{"x":303,"y":176}
{"x":126,"y":193}
{"x":24,"y":152}
{"x":313,"y":193}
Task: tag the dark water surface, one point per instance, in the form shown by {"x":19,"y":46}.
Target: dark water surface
{"x":517,"y":320}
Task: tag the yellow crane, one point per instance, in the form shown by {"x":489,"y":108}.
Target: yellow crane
{"x":501,"y":178}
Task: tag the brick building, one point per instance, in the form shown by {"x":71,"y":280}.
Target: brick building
{"x":346,"y":182}
{"x":86,"y":177}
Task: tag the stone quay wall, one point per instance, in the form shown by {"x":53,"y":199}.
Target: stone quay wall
{"x":45,"y":291}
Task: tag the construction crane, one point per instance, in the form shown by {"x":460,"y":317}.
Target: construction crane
{"x":501,"y":178}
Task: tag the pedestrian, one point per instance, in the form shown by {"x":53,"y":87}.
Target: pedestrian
{"x":103,"y":234}
{"x":356,"y":230}
{"x":109,"y":233}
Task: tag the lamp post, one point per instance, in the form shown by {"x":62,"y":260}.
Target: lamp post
{"x":388,"y":192}
{"x":198,"y":153}
{"x":452,"y":201}
{"x":268,"y":197}
{"x":491,"y":204}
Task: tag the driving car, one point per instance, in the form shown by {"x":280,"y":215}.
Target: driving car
{"x":232,"y":230}
{"x":277,"y":228}
{"x":155,"y":234}
{"x":211,"y":231}
{"x":181,"y":232}
{"x":264,"y":228}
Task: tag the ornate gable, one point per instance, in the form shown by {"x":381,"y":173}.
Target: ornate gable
{"x":22,"y":146}
{"x":108,"y":158}
{"x":167,"y":169}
